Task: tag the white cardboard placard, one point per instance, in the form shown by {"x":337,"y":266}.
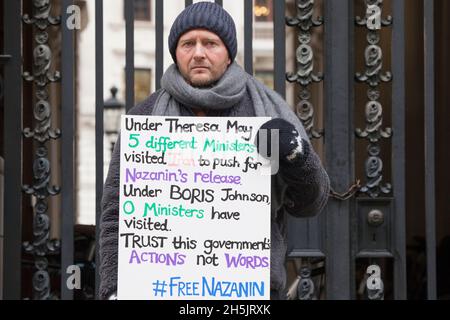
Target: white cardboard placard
{"x":194,"y":213}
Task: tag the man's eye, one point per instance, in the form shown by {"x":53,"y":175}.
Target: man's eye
{"x":188,"y":44}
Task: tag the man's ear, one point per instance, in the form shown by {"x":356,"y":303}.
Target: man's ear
{"x":229,"y":61}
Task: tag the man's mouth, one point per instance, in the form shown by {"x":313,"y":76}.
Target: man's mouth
{"x":199,"y":67}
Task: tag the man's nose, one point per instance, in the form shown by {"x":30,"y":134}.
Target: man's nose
{"x":199,"y":52}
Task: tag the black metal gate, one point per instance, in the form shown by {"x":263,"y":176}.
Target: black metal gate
{"x":356,"y":249}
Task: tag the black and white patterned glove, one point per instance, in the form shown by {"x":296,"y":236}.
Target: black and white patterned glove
{"x":291,"y":147}
{"x":112,"y":296}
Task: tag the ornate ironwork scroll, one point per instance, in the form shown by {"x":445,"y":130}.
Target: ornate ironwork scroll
{"x":306,"y":285}
{"x":41,"y":246}
{"x":374,"y":283}
{"x":373,"y":76}
{"x":304,"y":76}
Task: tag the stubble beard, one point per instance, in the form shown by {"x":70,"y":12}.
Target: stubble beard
{"x":201,"y":84}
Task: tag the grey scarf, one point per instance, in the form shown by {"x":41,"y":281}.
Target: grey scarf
{"x":227,"y":93}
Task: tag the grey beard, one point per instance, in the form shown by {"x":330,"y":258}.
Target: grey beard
{"x":206,"y":85}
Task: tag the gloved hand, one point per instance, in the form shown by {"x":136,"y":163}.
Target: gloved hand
{"x":292,"y":148}
{"x":112,"y":296}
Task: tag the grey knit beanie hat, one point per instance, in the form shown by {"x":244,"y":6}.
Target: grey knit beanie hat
{"x":204,"y":15}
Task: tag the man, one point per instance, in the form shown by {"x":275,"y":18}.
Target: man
{"x":205,"y":81}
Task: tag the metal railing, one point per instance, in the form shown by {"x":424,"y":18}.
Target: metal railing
{"x":334,"y":236}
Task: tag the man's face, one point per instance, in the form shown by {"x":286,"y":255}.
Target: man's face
{"x":202,"y":58}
